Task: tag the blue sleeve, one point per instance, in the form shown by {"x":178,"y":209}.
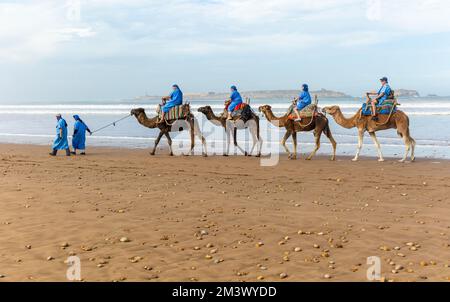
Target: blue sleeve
{"x":177,"y":96}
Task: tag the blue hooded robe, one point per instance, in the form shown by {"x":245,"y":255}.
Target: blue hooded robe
{"x":236,"y":99}
{"x":61,"y":143}
{"x":304,"y":99}
{"x":176,"y":99}
{"x":79,"y":134}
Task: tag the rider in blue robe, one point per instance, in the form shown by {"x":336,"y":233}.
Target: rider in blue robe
{"x":235,"y":100}
{"x":61,"y":142}
{"x":303,"y":100}
{"x":175,"y":99}
{"x":79,"y":135}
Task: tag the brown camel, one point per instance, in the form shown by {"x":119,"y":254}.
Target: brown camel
{"x":234,"y":125}
{"x":166,"y":128}
{"x":399,"y":120}
{"x":319,"y":125}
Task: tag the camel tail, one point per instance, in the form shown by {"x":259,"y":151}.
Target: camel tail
{"x":257,"y":128}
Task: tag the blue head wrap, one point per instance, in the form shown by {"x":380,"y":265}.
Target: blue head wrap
{"x":234,"y":88}
{"x":76,"y":117}
{"x":175,"y":86}
{"x":305,"y":87}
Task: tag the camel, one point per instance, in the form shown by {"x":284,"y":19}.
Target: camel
{"x":319,"y":125}
{"x":166,"y":128}
{"x":252,"y":125}
{"x":399,"y":120}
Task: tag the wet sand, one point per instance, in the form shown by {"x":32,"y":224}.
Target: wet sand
{"x":133,"y":217}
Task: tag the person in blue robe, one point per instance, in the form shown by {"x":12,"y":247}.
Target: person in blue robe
{"x":235,"y":100}
{"x":79,"y":135}
{"x":61,"y":142}
{"x":382,"y":95}
{"x":173,"y":100}
{"x":303,"y":100}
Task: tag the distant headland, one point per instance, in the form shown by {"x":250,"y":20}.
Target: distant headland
{"x":276,"y":94}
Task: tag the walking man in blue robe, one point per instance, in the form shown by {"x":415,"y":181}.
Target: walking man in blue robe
{"x":60,"y":142}
{"x":79,"y":136}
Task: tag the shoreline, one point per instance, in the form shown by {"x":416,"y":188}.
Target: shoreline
{"x":163,"y":150}
{"x":220,"y":218}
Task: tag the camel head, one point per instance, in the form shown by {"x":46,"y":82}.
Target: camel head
{"x":265,"y":108}
{"x":138,"y":111}
{"x":332,"y":110}
{"x":206,"y":110}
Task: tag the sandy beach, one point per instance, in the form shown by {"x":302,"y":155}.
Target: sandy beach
{"x":133,"y":217}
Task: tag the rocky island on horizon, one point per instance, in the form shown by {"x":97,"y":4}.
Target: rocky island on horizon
{"x":276,"y":94}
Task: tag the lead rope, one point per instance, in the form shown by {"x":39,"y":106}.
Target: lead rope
{"x":111,"y":124}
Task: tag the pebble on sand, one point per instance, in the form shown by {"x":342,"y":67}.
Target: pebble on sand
{"x":283,"y":275}
{"x":125,"y":239}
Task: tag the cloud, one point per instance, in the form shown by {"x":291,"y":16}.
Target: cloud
{"x":36,"y":29}
{"x":30,"y":30}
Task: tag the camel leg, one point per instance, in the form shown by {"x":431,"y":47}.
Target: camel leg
{"x":169,"y":141}
{"x":236,"y":145}
{"x":192,"y":140}
{"x":157,"y":142}
{"x":413,"y":147}
{"x":332,"y":141}
{"x":407,"y":148}
{"x":260,"y":141}
{"x":317,"y":135}
{"x":360,"y":144}
{"x":283,"y":143}
{"x":294,"y":140}
{"x":377,"y":145}
{"x":254,"y":140}
{"x":410,"y":145}
{"x":228,"y":134}
{"x":202,"y":138}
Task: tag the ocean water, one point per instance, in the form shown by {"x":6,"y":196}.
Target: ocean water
{"x":35,"y":124}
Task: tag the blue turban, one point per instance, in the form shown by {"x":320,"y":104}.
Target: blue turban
{"x":234,"y":88}
{"x":305,"y":87}
{"x":76,"y":117}
{"x":175,"y":86}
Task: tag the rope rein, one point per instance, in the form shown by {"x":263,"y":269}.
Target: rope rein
{"x":390,"y":115}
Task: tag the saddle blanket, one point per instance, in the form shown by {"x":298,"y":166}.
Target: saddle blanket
{"x":175,"y":113}
{"x":384,"y":108}
{"x":308,"y":111}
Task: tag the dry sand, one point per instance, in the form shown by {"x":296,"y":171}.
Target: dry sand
{"x":220,"y":219}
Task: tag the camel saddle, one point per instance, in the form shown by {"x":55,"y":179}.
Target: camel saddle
{"x":242,"y":111}
{"x":308,"y":111}
{"x":388,"y":106}
{"x":175,"y":113}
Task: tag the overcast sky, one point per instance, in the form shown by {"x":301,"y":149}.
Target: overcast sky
{"x":88,"y":50}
